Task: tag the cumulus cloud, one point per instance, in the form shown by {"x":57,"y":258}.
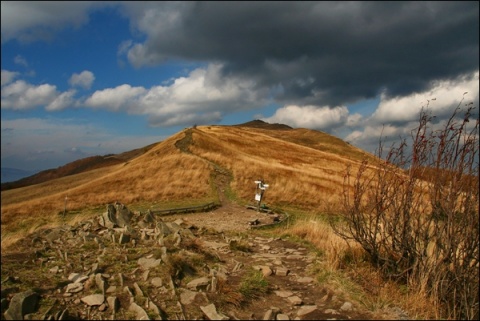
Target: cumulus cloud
{"x":115,"y":99}
{"x":201,"y":97}
{"x":62,"y":101}
{"x":395,"y":118}
{"x":8,"y":76}
{"x":22,"y":95}
{"x":447,"y":94}
{"x":84,"y":79}
{"x":313,"y":117}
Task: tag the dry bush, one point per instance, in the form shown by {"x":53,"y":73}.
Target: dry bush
{"x":424,"y":234}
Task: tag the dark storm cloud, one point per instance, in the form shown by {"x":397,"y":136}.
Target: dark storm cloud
{"x":324,"y":53}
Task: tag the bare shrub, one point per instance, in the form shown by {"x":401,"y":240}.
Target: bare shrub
{"x":416,"y":214}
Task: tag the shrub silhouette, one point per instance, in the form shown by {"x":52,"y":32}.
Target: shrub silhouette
{"x":417,"y":213}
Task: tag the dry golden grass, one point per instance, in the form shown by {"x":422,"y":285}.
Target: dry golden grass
{"x":375,"y":292}
{"x":299,"y":174}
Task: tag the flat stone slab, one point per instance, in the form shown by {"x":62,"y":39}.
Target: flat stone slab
{"x":306,"y":309}
{"x":148,"y":263}
{"x":305,"y":279}
{"x":141,"y":314}
{"x":215,"y":245}
{"x":187,"y":296}
{"x":93,"y":299}
{"x":157,"y":282}
{"x":284,"y":294}
{"x":74,"y":288}
{"x":212,"y":314}
{"x":198,"y":283}
{"x":295,"y":300}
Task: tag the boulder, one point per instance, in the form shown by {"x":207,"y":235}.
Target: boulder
{"x":123,"y":215}
{"x":21,"y":304}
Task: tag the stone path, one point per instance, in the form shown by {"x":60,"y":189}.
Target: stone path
{"x":166,"y":268}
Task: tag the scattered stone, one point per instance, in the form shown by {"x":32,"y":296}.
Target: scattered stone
{"x":153,"y":307}
{"x":74,"y":288}
{"x":111,"y":289}
{"x":213,"y":284}
{"x":305,"y":279}
{"x":347,"y":306}
{"x":93,"y":299}
{"x":55,"y":269}
{"x":306,"y":309}
{"x":281,"y":271}
{"x":200,"y":283}
{"x":295,"y":300}
{"x":148,"y":263}
{"x":331,"y":311}
{"x":138,"y":291}
{"x":268,"y":315}
{"x":141,"y":314}
{"x":157,"y":282}
{"x":113,"y":303}
{"x":282,"y":316}
{"x":284,"y":294}
{"x":21,"y":304}
{"x":101,"y":283}
{"x":187,"y":296}
{"x":212,"y":314}
{"x":77,"y":278}
{"x":266,"y":271}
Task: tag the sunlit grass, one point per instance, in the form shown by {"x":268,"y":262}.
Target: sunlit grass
{"x":165,"y":177}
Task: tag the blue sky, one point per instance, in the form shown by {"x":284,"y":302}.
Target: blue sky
{"x":94,"y":78}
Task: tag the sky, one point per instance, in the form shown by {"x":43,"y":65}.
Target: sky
{"x":93,"y":78}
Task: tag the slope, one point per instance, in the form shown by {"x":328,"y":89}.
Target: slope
{"x":301,"y":172}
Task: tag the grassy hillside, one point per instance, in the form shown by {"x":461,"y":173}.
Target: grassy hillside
{"x":78,"y":166}
{"x":304,"y":169}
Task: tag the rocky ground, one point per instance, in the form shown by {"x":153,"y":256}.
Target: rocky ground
{"x":124,"y":265}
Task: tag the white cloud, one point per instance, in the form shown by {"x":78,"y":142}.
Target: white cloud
{"x":33,"y":20}
{"x":447,"y":95}
{"x":8,"y":76}
{"x":115,"y":99}
{"x":84,"y":79}
{"x":22,"y":95}
{"x":62,"y":101}
{"x":201,"y":97}
{"x":313,"y":117}
{"x":395,"y":118}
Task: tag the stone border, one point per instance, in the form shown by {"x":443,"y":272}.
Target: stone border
{"x":287,"y":217}
{"x":191,"y":209}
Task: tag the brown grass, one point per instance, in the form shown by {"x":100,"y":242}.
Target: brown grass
{"x":299,"y":174}
{"x":376,"y":293}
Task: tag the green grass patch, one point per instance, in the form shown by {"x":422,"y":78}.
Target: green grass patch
{"x":253,"y":285}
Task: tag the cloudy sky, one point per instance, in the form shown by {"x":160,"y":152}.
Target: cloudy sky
{"x":93,"y":78}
